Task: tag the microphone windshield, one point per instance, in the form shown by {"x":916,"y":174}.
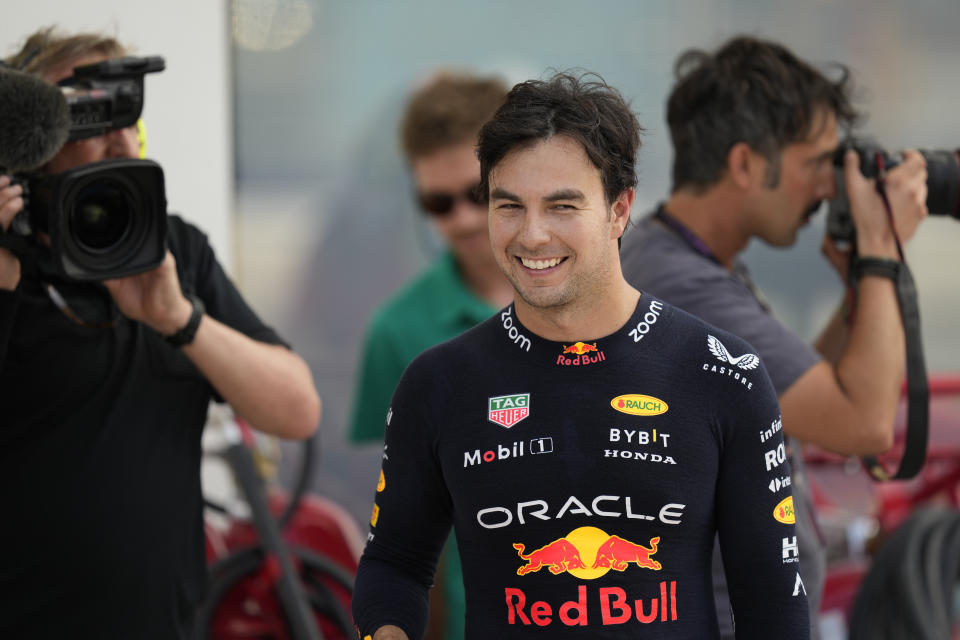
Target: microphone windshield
{"x":34,"y":121}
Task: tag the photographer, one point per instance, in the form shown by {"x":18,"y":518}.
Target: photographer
{"x":105,"y":391}
{"x":755,"y":133}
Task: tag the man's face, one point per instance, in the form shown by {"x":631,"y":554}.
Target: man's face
{"x":806,"y":180}
{"x":119,"y":143}
{"x":448,"y":174}
{"x":551,"y":230}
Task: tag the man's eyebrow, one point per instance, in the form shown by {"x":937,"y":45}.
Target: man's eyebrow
{"x":565,"y":194}
{"x":502,"y":194}
{"x":829,"y":153}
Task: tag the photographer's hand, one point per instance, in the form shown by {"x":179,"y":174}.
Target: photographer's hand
{"x":11,"y":203}
{"x":153,"y":298}
{"x":850,"y":399}
{"x":267,"y":384}
{"x":906,"y":188}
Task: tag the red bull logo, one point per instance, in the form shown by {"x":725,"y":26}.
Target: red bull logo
{"x":617,"y":554}
{"x":607,"y":552}
{"x":558,"y":556}
{"x":580,"y":354}
{"x":580,"y":348}
{"x":616,"y":607}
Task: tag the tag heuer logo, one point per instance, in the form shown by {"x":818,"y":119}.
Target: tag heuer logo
{"x":508,"y":410}
{"x":746,"y":362}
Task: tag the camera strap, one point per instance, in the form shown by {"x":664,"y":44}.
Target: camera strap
{"x":18,"y":245}
{"x":918,"y":392}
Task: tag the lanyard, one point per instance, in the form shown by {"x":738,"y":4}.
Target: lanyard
{"x":684,"y":232}
{"x":698,"y":245}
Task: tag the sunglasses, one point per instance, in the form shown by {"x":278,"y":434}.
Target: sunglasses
{"x":439,"y":203}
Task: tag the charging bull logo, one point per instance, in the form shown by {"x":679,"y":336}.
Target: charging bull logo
{"x":580,"y":348}
{"x":608,"y":552}
{"x":559,"y":556}
{"x":617,"y":553}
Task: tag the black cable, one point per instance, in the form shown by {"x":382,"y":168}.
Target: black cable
{"x":304,"y":476}
{"x":227,"y":572}
{"x":909,"y":590}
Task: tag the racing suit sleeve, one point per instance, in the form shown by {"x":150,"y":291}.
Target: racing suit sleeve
{"x":411,"y":517}
{"x":755,"y":517}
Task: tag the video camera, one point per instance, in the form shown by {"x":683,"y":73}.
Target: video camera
{"x":105,"y":219}
{"x":943,"y":183}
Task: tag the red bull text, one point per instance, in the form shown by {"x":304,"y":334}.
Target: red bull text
{"x":615,"y":607}
{"x":580,"y":351}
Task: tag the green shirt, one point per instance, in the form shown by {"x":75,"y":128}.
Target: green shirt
{"x":435,"y":307}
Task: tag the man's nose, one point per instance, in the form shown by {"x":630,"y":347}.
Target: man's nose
{"x":118,"y":144}
{"x":535,"y":231}
{"x":827,"y":187}
{"x":467,"y":213}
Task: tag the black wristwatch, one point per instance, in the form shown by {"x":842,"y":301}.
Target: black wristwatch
{"x":189,"y":331}
{"x":872,"y":266}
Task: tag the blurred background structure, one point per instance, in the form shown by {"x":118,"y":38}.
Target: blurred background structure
{"x":276,"y":122}
{"x":326,"y":223}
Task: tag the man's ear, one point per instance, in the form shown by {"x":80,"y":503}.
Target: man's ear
{"x":742,"y":164}
{"x":621,"y":211}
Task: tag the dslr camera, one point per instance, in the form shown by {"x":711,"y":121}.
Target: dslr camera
{"x":105,"y":219}
{"x":943,"y":183}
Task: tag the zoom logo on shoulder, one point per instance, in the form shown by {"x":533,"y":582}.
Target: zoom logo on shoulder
{"x":516,"y":449}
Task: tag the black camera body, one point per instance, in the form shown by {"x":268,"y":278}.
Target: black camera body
{"x":107,"y":95}
{"x":943,"y":183}
{"x":106,"y":219}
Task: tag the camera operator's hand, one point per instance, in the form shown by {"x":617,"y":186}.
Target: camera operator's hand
{"x":11,"y":203}
{"x":153,"y":298}
{"x":906,"y":188}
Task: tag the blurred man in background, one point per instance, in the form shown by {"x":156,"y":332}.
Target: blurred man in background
{"x":106,"y":388}
{"x":755,"y":131}
{"x":459,"y":289}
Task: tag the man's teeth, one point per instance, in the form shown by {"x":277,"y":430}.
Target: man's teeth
{"x":540,"y":264}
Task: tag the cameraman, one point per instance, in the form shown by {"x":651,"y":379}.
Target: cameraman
{"x":755,"y":132}
{"x":102,"y":414}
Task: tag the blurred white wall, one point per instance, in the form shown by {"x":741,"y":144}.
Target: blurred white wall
{"x":188,"y":110}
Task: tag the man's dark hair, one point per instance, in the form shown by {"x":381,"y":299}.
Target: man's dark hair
{"x":753,"y":91}
{"x":583,"y":108}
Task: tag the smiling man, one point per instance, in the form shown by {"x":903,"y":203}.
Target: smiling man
{"x":755,"y":130}
{"x":587,"y":443}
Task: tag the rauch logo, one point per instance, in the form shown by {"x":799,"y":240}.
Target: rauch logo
{"x":783,"y":512}
{"x":508,"y":410}
{"x":636,"y":404}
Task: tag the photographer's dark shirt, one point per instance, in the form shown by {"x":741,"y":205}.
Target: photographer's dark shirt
{"x":586,"y":483}
{"x":100,"y":457}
